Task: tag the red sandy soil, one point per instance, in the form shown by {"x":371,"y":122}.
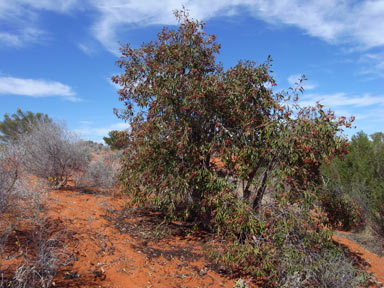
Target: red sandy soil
{"x":111,"y":246}
{"x":120,"y":253}
{"x":375,"y":264}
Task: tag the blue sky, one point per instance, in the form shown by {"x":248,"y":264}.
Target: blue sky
{"x":57,"y":56}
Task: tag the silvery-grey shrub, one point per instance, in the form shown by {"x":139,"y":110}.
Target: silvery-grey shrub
{"x":50,"y":151}
{"x":101,"y":172}
{"x":9,"y":170}
{"x":328,"y":269}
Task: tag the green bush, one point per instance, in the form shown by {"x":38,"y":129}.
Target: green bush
{"x":20,"y":123}
{"x":116,"y":140}
{"x":360,"y":179}
{"x":342,"y":210}
{"x":197,"y":131}
{"x":284,"y":245}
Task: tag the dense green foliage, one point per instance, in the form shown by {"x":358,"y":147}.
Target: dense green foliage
{"x":206,"y":145}
{"x":116,"y":140}
{"x":360,"y":179}
{"x":19,"y":123}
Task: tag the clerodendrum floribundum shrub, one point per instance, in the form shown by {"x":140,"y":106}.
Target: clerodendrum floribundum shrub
{"x":197,"y":131}
{"x":50,"y":151}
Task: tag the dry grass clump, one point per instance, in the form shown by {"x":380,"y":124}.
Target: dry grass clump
{"x":28,"y":237}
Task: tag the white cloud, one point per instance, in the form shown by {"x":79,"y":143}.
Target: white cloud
{"x":87,"y":49}
{"x":87,"y":131}
{"x":19,"y":19}
{"x":342,"y":99}
{"x":36,"y":88}
{"x":307,"y":85}
{"x":117,"y":14}
{"x":360,"y":23}
{"x":26,"y":8}
{"x":372,"y":64}
{"x":20,"y":38}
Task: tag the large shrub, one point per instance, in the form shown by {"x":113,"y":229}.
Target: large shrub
{"x":198,"y":131}
{"x":189,"y":113}
{"x":285,"y":246}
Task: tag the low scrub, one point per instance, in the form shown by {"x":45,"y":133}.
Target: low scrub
{"x":286,"y":246}
{"x":39,"y":267}
{"x":51,"y":152}
{"x":100,"y":174}
{"x":342,"y":210}
{"x":39,"y":249}
{"x":9,"y":171}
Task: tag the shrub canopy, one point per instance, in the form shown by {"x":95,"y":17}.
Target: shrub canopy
{"x":197,"y":128}
{"x":19,"y":123}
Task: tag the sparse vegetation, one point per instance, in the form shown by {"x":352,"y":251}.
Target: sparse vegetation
{"x":38,"y":249}
{"x":8,"y":176}
{"x":100,"y":174}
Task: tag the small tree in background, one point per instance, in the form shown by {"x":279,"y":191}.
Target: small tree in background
{"x":359,"y":180}
{"x":19,"y":123}
{"x":116,"y":139}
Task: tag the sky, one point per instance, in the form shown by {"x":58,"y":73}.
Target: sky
{"x":57,"y":56}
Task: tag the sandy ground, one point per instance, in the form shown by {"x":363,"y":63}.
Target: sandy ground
{"x":112,"y":250}
{"x":111,"y":246}
{"x":374,"y":263}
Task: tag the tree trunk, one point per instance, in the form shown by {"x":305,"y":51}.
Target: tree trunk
{"x":246,"y":191}
{"x":260,"y":192}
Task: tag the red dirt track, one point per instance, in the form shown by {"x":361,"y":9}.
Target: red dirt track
{"x":115,"y":247}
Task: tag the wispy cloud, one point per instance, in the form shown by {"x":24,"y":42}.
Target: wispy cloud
{"x":88,"y":131}
{"x":358,"y":23}
{"x":372,"y":64}
{"x":118,"y":14}
{"x":36,"y":88}
{"x":20,"y":38}
{"x":342,"y":100}
{"x":354,"y":24}
{"x":307,"y":85}
{"x":87,"y":49}
{"x":19,"y":19}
